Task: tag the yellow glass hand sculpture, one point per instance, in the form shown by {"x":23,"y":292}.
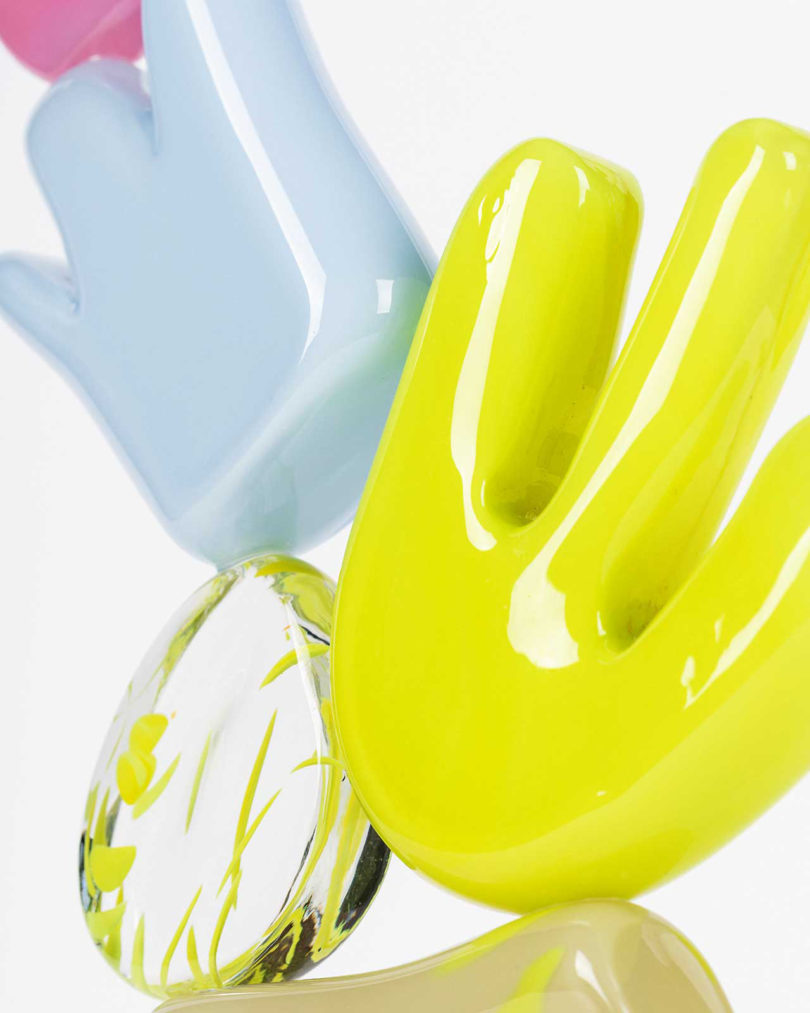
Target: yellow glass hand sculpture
{"x":596,"y":957}
{"x":222,"y":844}
{"x":549,"y":683}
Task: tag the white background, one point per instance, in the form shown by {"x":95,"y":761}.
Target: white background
{"x":441,"y":88}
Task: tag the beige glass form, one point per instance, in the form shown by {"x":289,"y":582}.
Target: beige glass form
{"x":591,"y":957}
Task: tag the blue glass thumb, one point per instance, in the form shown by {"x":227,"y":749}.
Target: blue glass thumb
{"x":242,"y":288}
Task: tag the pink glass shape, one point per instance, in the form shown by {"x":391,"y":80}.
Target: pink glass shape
{"x":51,"y":36}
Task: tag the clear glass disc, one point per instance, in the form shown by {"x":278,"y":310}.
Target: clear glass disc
{"x":222,"y":844}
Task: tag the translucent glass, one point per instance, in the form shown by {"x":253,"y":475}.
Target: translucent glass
{"x":222,"y":844}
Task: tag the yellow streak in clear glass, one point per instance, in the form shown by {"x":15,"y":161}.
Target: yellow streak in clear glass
{"x":293,"y":658}
{"x":175,"y":941}
{"x":219,"y":928}
{"x":195,"y":788}
{"x":148,"y":799}
{"x":248,"y":837}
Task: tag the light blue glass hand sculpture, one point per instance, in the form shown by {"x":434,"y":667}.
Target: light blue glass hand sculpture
{"x":242,"y":288}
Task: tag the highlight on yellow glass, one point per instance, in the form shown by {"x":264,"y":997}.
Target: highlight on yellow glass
{"x":552,"y":679}
{"x":222,"y":844}
{"x":594,"y":957}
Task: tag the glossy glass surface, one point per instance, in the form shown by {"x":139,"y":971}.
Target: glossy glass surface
{"x":550,"y":683}
{"x":598,"y":957}
{"x":51,"y":36}
{"x":222,"y":844}
{"x":242,"y":290}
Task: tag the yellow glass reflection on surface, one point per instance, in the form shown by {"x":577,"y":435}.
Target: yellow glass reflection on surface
{"x":550,"y":681}
{"x":593,"y":957}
